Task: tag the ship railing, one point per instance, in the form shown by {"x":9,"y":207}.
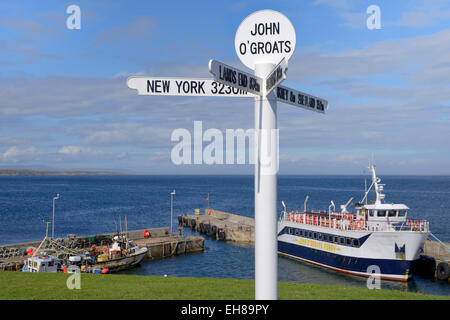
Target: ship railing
{"x":348,"y":222}
{"x":412,"y":225}
{"x":333,"y":221}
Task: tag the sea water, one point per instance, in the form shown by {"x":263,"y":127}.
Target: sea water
{"x":96,"y":204}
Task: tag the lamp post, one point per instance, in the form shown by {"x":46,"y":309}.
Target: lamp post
{"x":171,"y":209}
{"x":53,"y":220}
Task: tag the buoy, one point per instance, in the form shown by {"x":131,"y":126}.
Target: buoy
{"x":359,"y":224}
{"x":443,"y":271}
{"x":105,"y":250}
{"x":146,"y":233}
{"x":425,"y":267}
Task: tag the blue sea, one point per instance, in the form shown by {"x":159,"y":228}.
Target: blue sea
{"x":94,"y":204}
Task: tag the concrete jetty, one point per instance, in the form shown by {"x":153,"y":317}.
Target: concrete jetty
{"x":221,"y":225}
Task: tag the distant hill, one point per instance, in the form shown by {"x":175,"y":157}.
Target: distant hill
{"x":28,"y":172}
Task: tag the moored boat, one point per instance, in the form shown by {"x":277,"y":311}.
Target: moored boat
{"x":373,"y":239}
{"x":122,"y":254}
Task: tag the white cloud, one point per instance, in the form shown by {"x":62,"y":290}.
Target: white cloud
{"x":351,"y":157}
{"x":78,"y":151}
{"x":14,"y":154}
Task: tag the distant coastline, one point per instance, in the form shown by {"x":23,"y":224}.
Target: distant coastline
{"x":28,"y":172}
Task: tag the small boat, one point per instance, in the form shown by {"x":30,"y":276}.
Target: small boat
{"x":41,"y":263}
{"x":122,"y":254}
{"x":372,"y":237}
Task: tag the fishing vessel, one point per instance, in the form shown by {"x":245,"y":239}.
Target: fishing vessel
{"x":121,"y":255}
{"x":370,"y":239}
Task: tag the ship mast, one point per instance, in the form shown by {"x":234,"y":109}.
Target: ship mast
{"x":377,"y":186}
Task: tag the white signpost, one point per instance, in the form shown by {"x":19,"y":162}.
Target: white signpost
{"x":264,"y":42}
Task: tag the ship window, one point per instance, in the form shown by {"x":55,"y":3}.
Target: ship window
{"x":315,"y":235}
{"x":341,"y":240}
{"x":392,"y":213}
{"x":402,"y":213}
{"x":355,"y":242}
{"x":297,"y":232}
{"x":320,"y":236}
{"x":335,"y":239}
{"x":381,"y":213}
{"x":371,"y":213}
{"x":349,"y":241}
{"x":309,"y":234}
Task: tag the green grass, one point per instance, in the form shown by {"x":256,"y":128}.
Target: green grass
{"x":19,"y":285}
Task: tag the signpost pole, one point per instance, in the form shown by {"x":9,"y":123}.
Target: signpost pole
{"x":266,"y":166}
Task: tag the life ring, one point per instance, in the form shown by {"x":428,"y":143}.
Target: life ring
{"x":94,"y":248}
{"x":146,"y":233}
{"x":352,"y":224}
{"x":105,"y":250}
{"x":359,"y":224}
{"x":409,"y":222}
{"x":416,"y":224}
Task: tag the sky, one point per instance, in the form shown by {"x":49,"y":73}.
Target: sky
{"x":65,"y":105}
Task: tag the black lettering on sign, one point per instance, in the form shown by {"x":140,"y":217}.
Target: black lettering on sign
{"x":282,"y":93}
{"x":242,"y":80}
{"x":154,"y":86}
{"x":274,"y":77}
{"x":268,"y":47}
{"x":200,"y":87}
{"x":178,"y":83}
{"x":263,"y":29}
{"x":288,"y":47}
{"x":320,"y":105}
{"x":221,"y":88}
{"x":291,"y":96}
{"x":227,"y":74}
{"x":254,"y":85}
{"x":312,"y":103}
{"x":301,"y":99}
{"x":214,"y":89}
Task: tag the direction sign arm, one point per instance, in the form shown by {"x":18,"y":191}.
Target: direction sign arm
{"x":276,"y":76}
{"x":235,"y":78}
{"x":301,"y":99}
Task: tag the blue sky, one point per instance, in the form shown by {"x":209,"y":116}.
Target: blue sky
{"x":64,"y":103}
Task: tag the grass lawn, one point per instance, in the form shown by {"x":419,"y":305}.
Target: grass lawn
{"x":19,"y":285}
